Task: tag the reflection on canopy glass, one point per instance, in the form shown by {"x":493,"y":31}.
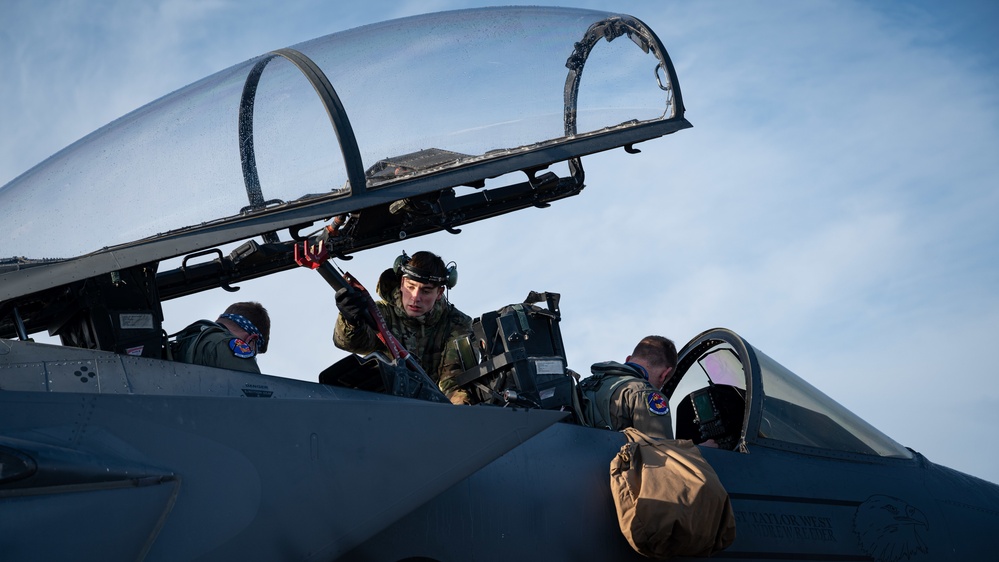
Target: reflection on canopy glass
{"x":796,"y":412}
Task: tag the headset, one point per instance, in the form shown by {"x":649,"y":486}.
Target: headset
{"x":401,"y":267}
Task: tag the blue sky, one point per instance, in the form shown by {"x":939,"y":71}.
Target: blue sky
{"x":835,"y":202}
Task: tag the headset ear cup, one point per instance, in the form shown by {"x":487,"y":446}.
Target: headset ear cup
{"x":452,"y":276}
{"x":399,"y":262}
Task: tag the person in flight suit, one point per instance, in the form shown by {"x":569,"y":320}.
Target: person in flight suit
{"x":417,"y":313}
{"x":230,"y":342}
{"x":618,"y":396}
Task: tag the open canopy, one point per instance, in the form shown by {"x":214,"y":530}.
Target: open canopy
{"x":346,"y":122}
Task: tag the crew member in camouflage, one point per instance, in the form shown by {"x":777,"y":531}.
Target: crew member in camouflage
{"x":231,"y":342}
{"x":619,"y":396}
{"x":417,"y":312}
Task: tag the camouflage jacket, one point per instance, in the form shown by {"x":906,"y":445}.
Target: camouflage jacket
{"x":429,"y":338}
{"x":618,"y":396}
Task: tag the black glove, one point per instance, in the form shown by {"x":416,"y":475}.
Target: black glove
{"x":352,"y":305}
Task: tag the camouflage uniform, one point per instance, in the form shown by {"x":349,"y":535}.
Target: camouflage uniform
{"x":211,"y":344}
{"x":429,"y":338}
{"x":619,"y":396}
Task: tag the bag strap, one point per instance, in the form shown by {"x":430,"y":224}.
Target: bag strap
{"x":598,"y":415}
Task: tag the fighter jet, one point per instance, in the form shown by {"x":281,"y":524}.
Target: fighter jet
{"x":111,"y":450}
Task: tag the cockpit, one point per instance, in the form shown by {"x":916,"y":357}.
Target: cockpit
{"x":715,"y":400}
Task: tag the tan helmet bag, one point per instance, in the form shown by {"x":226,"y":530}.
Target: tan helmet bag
{"x":669,"y":500}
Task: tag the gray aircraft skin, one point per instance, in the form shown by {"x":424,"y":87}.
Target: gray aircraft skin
{"x":109,"y":451}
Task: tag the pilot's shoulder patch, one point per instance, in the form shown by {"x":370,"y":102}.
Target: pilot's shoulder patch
{"x":658,"y":404}
{"x":241,"y":349}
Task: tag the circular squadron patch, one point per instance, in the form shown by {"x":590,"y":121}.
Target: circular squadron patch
{"x":658,"y":404}
{"x":241,"y":349}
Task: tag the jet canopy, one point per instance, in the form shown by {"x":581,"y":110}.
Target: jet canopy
{"x":730,"y":392}
{"x":368,"y":119}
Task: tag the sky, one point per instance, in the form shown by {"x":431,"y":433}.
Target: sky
{"x":835,"y":202}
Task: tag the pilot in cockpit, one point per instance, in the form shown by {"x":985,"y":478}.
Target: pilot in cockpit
{"x":230,"y":342}
{"x":619,"y":396}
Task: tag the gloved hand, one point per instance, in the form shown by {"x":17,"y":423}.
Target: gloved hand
{"x":351,"y":304}
{"x":459,"y":397}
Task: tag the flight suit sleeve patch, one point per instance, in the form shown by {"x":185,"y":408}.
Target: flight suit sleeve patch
{"x":658,"y":404}
{"x":241,"y":349}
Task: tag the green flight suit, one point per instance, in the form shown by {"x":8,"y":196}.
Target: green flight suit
{"x":211,"y":344}
{"x":618,"y":396}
